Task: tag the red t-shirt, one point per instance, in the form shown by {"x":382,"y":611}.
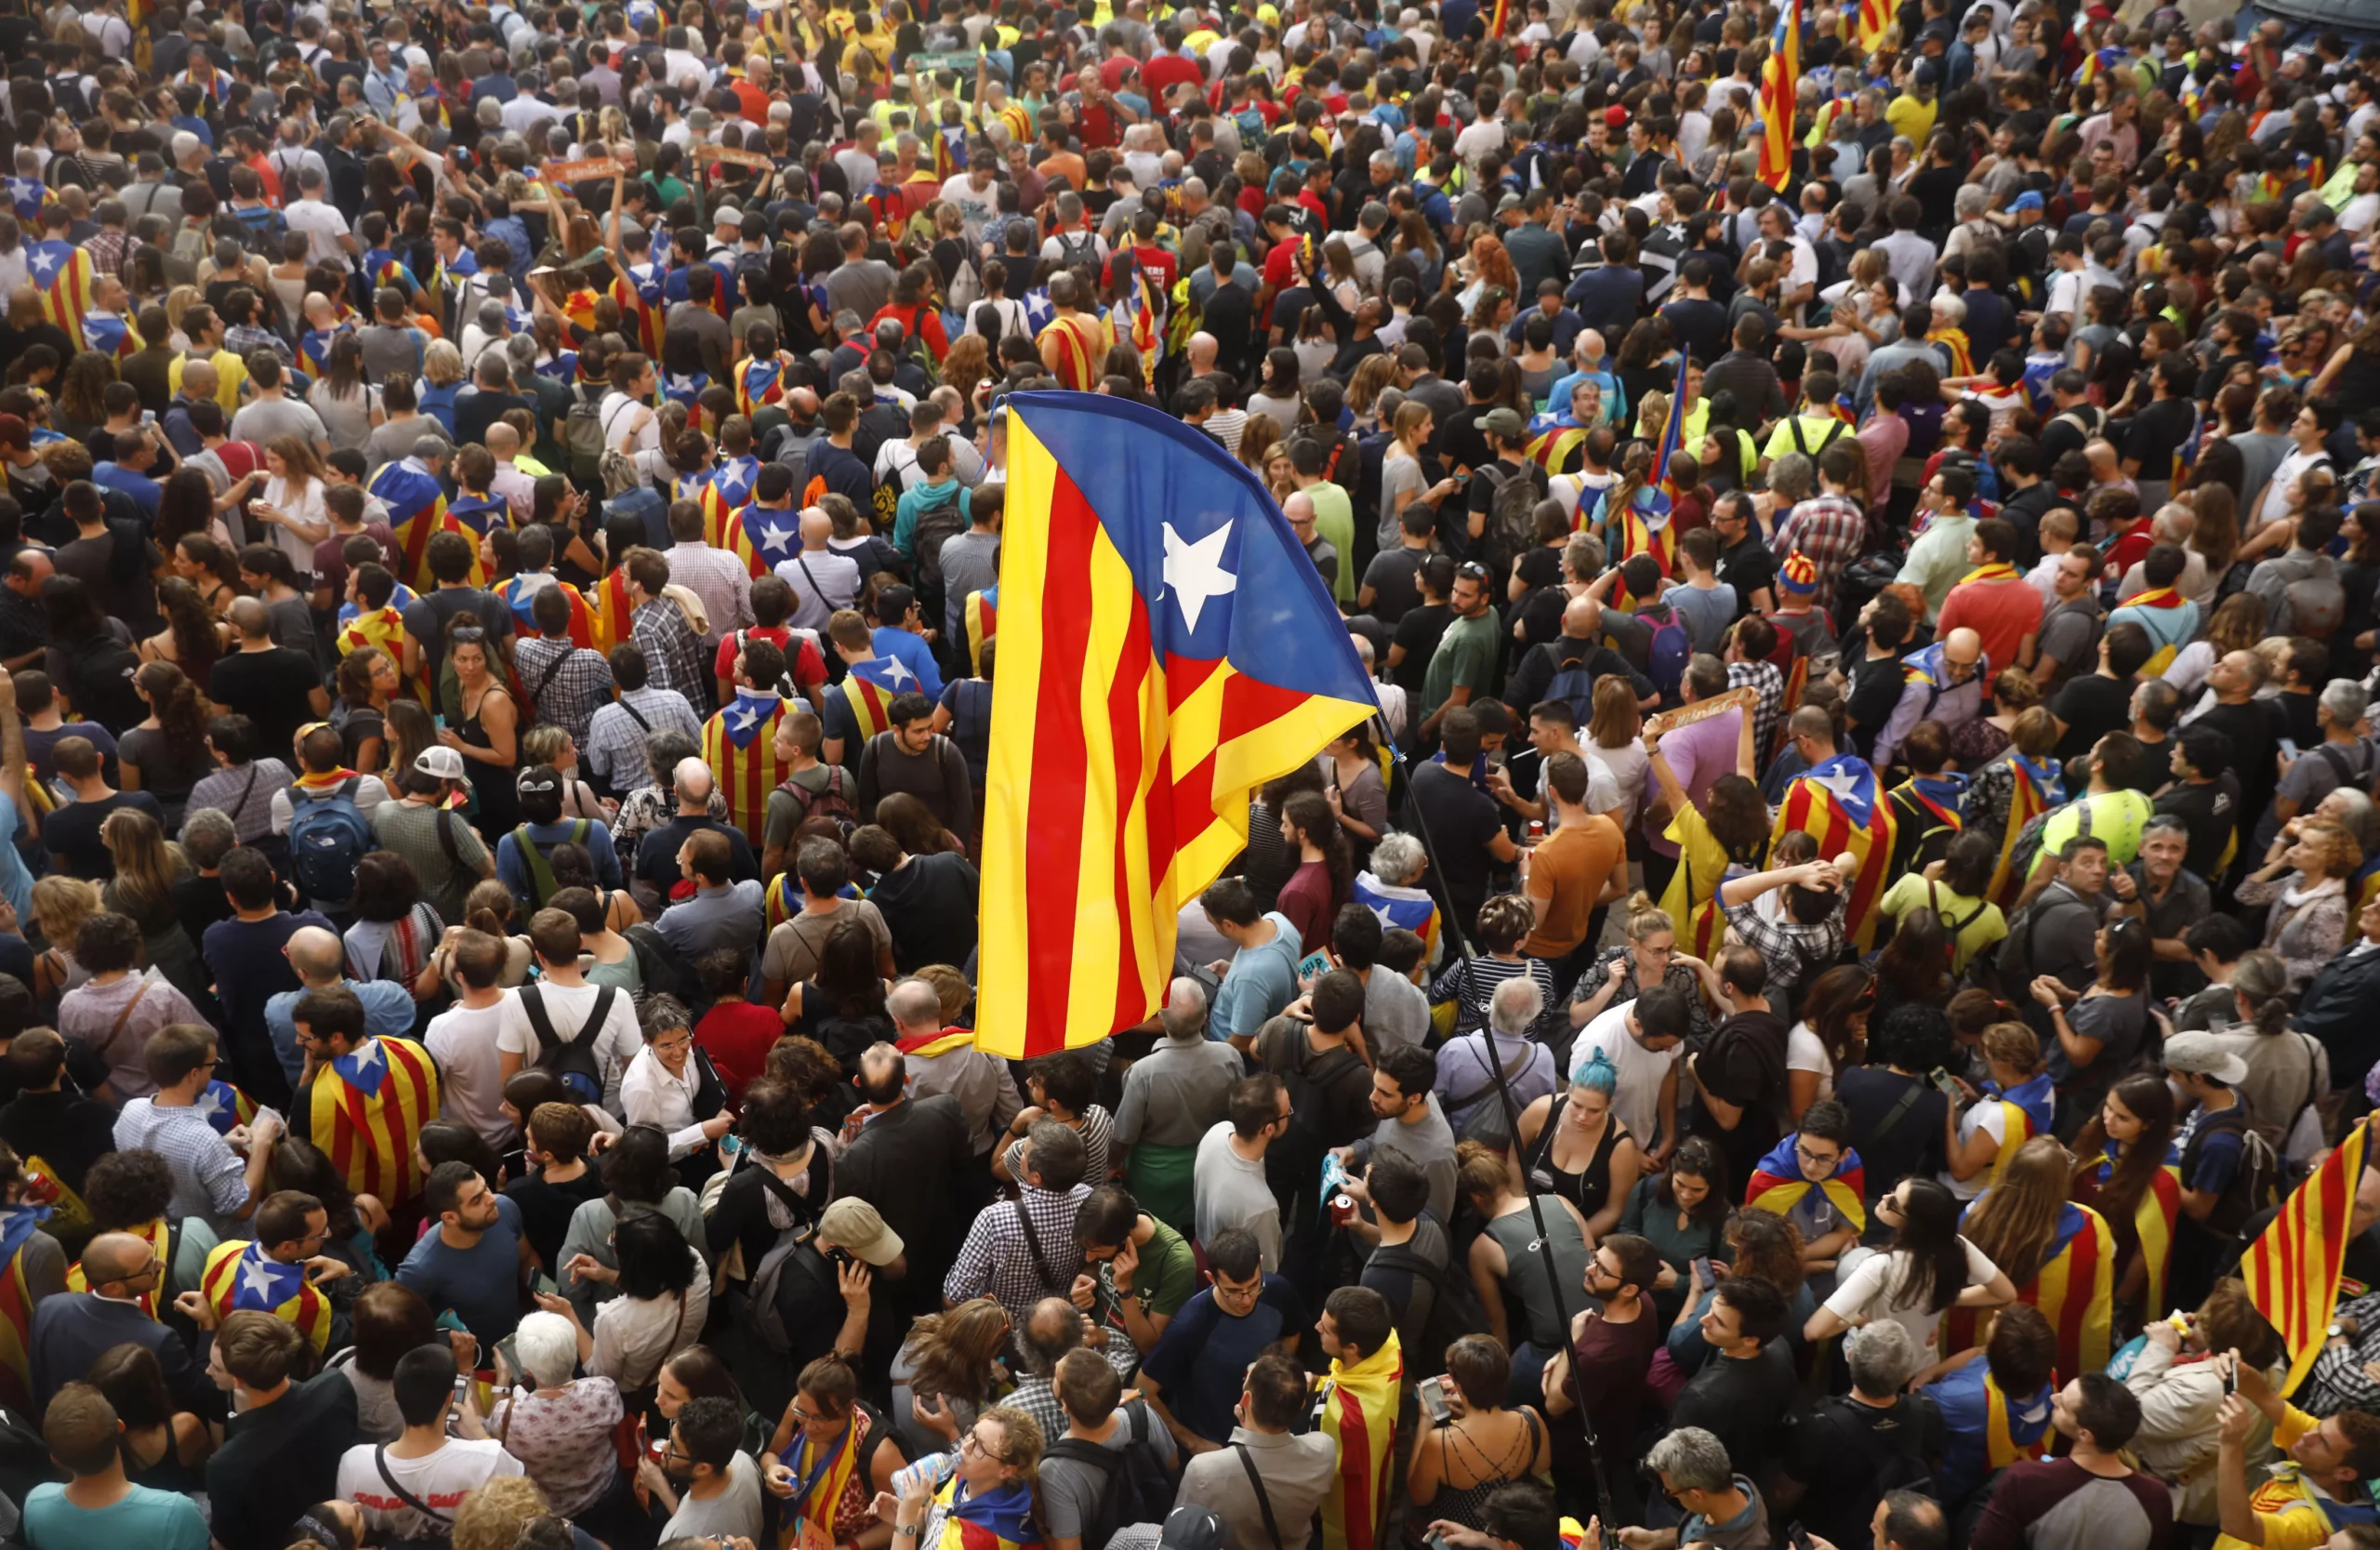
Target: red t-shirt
{"x":737,"y":1036}
{"x":2004,"y":612}
{"x":1096,"y":124}
{"x":809,"y":666}
{"x":1166,"y":71}
{"x":751,"y":100}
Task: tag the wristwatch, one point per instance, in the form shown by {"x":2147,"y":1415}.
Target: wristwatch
{"x":2337,"y":1332}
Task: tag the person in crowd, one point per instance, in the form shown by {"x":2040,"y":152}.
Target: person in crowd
{"x":1995,"y":1399}
{"x":2041,"y":1501}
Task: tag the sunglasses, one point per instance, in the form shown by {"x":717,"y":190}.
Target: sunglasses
{"x":1471,"y":570}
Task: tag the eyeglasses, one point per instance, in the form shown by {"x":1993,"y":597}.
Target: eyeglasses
{"x":972,"y":1444}
{"x":468,"y":635}
{"x":1471,"y":570}
{"x":1827,"y":1159}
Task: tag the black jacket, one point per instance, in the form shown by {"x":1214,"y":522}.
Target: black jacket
{"x":2336,"y":1008}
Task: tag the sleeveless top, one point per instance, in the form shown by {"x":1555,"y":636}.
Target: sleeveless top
{"x":1465,"y":1504}
{"x":1525,"y":1272}
{"x":1590,"y":1187}
{"x":500,"y":803}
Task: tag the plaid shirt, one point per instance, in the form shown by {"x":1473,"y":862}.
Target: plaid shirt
{"x":1764,"y":679}
{"x":581,"y":684}
{"x":996,"y":1259}
{"x":1830,"y":530}
{"x":1792,"y":950}
{"x":106,"y":251}
{"x":244,"y":339}
{"x":613,"y":751}
{"x":674,"y":656}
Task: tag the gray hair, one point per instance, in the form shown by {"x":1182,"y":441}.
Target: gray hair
{"x":1690,"y":1458}
{"x":914,"y":1004}
{"x":1790,"y":476}
{"x":547,"y":1347}
{"x":2346,"y":700}
{"x":1882,"y":1357}
{"x":209,"y":835}
{"x":2362,"y":818}
{"x":1515,"y":1004}
{"x":1184,"y":1016}
{"x":430,"y":449}
{"x":1397,"y":860}
{"x":1970,"y":201}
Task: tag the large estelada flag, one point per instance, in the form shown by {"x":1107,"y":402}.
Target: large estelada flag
{"x":365,"y":1111}
{"x":1165,"y":648}
{"x":1642,"y":523}
{"x":1779,"y":77}
{"x":1357,"y":1407}
{"x":63,"y":272}
{"x":1836,"y":804}
{"x":18,"y":1224}
{"x":416,"y":503}
{"x":739,"y":744}
{"x":1778,"y":1185}
{"x":2293,"y":1267}
{"x":240,"y":1274}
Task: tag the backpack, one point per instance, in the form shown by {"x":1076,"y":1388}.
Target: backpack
{"x":540,"y":870}
{"x":1574,"y":686}
{"x":794,"y":1253}
{"x":2316,"y":602}
{"x":834,"y":803}
{"x":1504,"y":537}
{"x":582,"y":433}
{"x":1454,"y":1310}
{"x":99,"y":682}
{"x":1139,"y":1488}
{"x":2256,"y":1185}
{"x":1671,"y":648}
{"x":574,"y":1062}
{"x":1078,"y":250}
{"x":1890,"y":1468}
{"x":328,"y":837}
{"x":934,"y":527}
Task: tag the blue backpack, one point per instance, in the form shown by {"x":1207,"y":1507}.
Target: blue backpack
{"x":1671,"y":648}
{"x":328,"y":837}
{"x":1574,"y":685}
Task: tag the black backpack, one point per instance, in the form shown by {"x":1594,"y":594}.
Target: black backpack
{"x":98,"y":683}
{"x":1140,"y":1487}
{"x":1453,"y":1309}
{"x":573,"y":1062}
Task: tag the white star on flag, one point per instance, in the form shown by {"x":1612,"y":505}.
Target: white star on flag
{"x":898,"y":671}
{"x":776,"y":540}
{"x":743,"y":717}
{"x":1194,"y":571}
{"x":208,"y":1105}
{"x":367,"y":1057}
{"x":258,"y":1280}
{"x":44,"y":261}
{"x":1842,"y":783}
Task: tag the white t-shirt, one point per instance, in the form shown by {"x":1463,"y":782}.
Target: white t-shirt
{"x":299,"y":504}
{"x":732,"y":1514}
{"x":2275,"y":504}
{"x":471,"y":1089}
{"x":1992,"y":1118}
{"x":439,"y":1481}
{"x":568,"y":1008}
{"x":1874,"y":1289}
{"x":1805,"y":1052}
{"x":1636,"y":1100}
{"x":323,"y":226}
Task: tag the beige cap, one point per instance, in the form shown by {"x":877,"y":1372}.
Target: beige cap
{"x":853,"y":1224}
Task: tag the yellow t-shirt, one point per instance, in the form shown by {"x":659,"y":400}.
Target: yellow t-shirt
{"x":231,"y":376}
{"x":1818,"y":431}
{"x":2116,"y":816}
{"x":1974,"y":935}
{"x":1911,"y":117}
{"x":2290,"y":1519}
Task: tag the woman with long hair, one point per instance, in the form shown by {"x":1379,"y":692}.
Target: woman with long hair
{"x":1915,"y":965}
{"x":2015,"y":1104}
{"x":395,"y":928}
{"x":185,"y":505}
{"x":146,"y":865}
{"x":1373,"y":375}
{"x":483,"y":723}
{"x":2125,"y":1179}
{"x":411,"y":731}
{"x":1928,"y":1269}
{"x":2305,"y":881}
{"x":1573,"y":1145}
{"x":192,"y":640}
{"x":368,"y":682}
{"x":1760,"y":1245}
{"x":1325,"y":871}
{"x":1276,"y":387}
{"x":349,"y":405}
{"x":637,"y":1180}
{"x":1830,"y":1037}
{"x":948,"y":1359}
{"x":1615,"y":732}
{"x":841,"y":1449}
{"x":167,"y":754}
{"x":268,"y":571}
{"x":841,"y":1005}
{"x":292,"y":503}
{"x":1358,"y":793}
{"x":211,"y":568}
{"x":165,"y":1449}
{"x":2060,"y":1255}
{"x":1683,"y":1212}
{"x":1721,"y":836}
{"x":79,"y":409}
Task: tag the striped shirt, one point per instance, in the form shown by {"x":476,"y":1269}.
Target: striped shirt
{"x":210,"y":1182}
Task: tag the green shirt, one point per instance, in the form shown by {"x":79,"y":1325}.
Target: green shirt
{"x":1334,"y":518}
{"x":1465,"y":658}
{"x":1168,"y":1271}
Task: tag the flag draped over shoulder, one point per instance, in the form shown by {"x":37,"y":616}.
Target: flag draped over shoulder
{"x":2036,"y":789}
{"x":1355,"y":1406}
{"x":2074,"y":1289}
{"x":1642,"y":526}
{"x":1836,"y":804}
{"x":1164,"y":649}
{"x":998,"y":1520}
{"x":2293,"y":1268}
{"x":982,"y":613}
{"x":18,"y":1224}
{"x":869,"y":689}
{"x":240,"y":1275}
{"x":417,"y":504}
{"x":1777,"y":79}
{"x":739,"y":744}
{"x":63,"y":272}
{"x":365,"y":1111}
{"x":2025,"y":1112}
{"x":1778,"y":1185}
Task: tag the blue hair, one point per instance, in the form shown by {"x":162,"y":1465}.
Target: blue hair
{"x":1594,"y":1073}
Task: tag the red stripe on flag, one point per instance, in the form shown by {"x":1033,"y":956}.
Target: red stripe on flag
{"x":1354,"y":1472}
{"x":1061,"y":765}
{"x":1124,"y":731}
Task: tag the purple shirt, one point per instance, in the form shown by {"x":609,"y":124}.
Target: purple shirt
{"x":1698,"y":755}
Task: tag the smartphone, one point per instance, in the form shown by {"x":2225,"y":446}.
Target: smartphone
{"x":2289,"y":748}
{"x":439,"y":721}
{"x":1703,"y":1269}
{"x":1432,"y":1392}
{"x":1947,"y":1084}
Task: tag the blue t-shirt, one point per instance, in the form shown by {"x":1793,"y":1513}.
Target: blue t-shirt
{"x":2217,"y":1161}
{"x":1966,"y":1417}
{"x":914,"y":654}
{"x":1201,"y":1361}
{"x":1260,"y":982}
{"x":478,"y":1283}
{"x":153,"y":1519}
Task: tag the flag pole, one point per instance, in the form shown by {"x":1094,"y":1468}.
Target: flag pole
{"x":1543,"y":1244}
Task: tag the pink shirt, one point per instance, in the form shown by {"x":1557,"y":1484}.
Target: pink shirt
{"x":1698,"y":755}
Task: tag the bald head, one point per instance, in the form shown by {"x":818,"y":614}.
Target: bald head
{"x":249,"y":618}
{"x":817,"y":527}
{"x":1578,"y":618}
{"x":316,"y":955}
{"x":1184,"y":1016}
{"x":1299,"y":508}
{"x":1962,"y":646}
{"x":198,"y":378}
{"x":1203,"y":351}
{"x":694,"y":781}
{"x":114,"y":1258}
{"x":914,"y":1006}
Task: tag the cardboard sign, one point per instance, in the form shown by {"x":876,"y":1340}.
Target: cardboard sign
{"x":586,"y":169}
{"x":1662,"y":722}
{"x":756,"y":159}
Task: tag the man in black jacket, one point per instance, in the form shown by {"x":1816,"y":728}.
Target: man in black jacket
{"x":2337,"y":1006}
{"x":908,"y":1158}
{"x":1741,"y":1070}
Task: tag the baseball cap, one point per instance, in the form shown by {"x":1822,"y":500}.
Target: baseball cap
{"x":1615,"y":115}
{"x":727,"y":215}
{"x":2199,"y":1053}
{"x":2028,"y":199}
{"x":851,"y":1223}
{"x":1496,"y":422}
{"x":698,"y":119}
{"x":1509,"y":203}
{"x":444,"y":762}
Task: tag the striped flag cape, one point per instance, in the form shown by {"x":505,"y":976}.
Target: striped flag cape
{"x":1555,"y":441}
{"x":1836,"y":804}
{"x":1779,"y":77}
{"x":641,"y":291}
{"x":2037,"y":789}
{"x":2152,"y":1220}
{"x":1138,"y":319}
{"x":383,"y":268}
{"x":1496,"y":22}
{"x":2099,"y":61}
{"x":63,"y":273}
{"x":784,"y":898}
{"x":740,"y":745}
{"x":314,"y":348}
{"x":998,"y":1520}
{"x":730,"y":491}
{"x":821,"y":1476}
{"x":1778,"y":1185}
{"x":578,"y":307}
{"x":224,"y":1106}
{"x":1040,"y":310}
{"x":613,"y":613}
{"x":160,"y":1234}
{"x":365,"y":1110}
{"x":759,"y":384}
{"x":1642,"y":524}
{"x":983,"y":615}
{"x":2074,"y":1289}
{"x":110,"y":334}
{"x":1162,"y":653}
{"x":478,"y":513}
{"x":1355,"y":1406}
{"x":519,"y":593}
{"x":1082,"y":349}
{"x":869,"y":689}
{"x":241,"y":1276}
{"x":2293,"y":1267}
{"x":2025,"y":1112}
{"x":18,"y":1224}
{"x":2013,"y":1433}
{"x":416,"y":503}
{"x":772,"y":534}
{"x":1397,"y":905}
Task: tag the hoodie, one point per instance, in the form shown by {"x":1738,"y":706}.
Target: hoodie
{"x":918,"y":501}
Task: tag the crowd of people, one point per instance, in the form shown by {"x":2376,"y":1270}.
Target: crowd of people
{"x":1857,"y":907}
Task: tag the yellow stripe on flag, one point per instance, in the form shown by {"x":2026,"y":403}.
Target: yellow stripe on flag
{"x":1091,"y":994}
{"x":1006,"y":910}
{"x":2292,"y":1269}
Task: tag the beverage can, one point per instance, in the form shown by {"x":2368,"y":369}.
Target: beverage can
{"x":1536,"y":830}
